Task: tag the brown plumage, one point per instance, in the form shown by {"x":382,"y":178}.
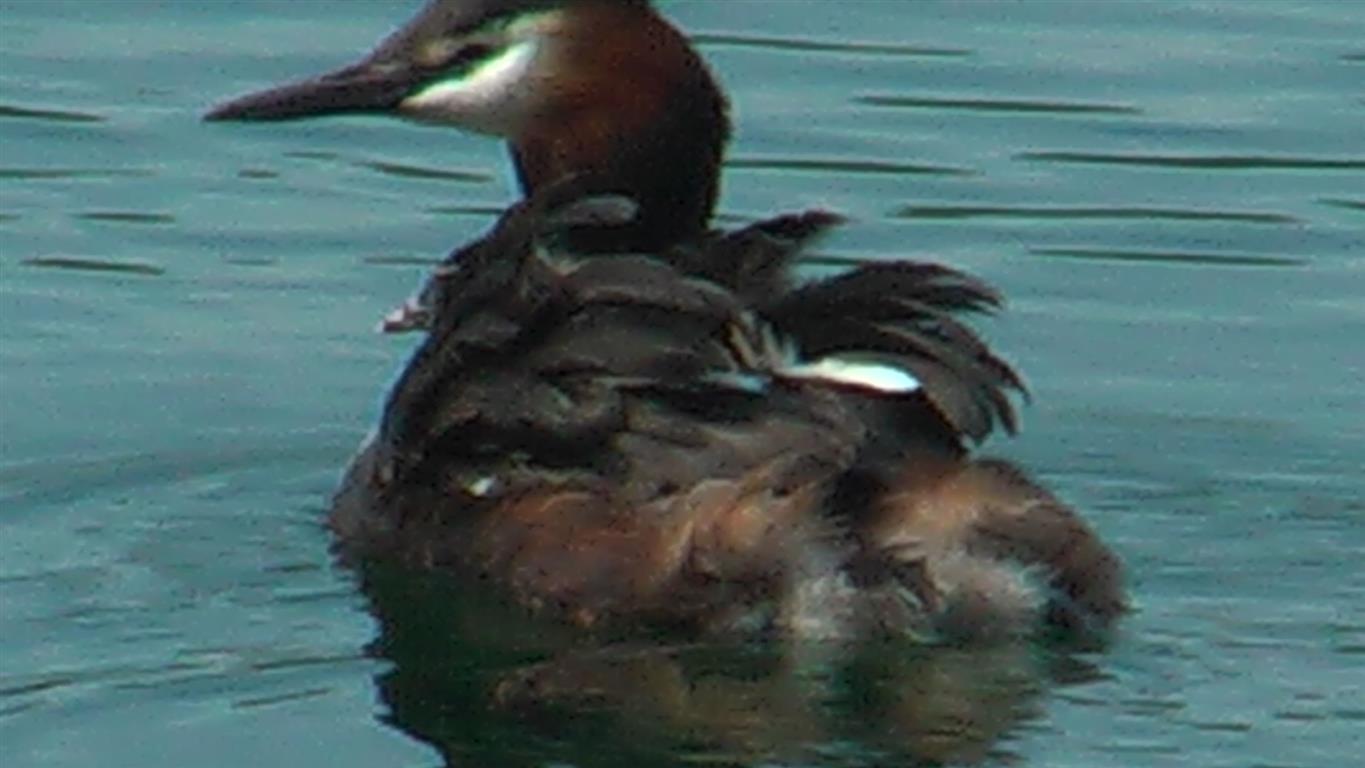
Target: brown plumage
{"x":615,"y":440}
{"x":630,"y":107}
{"x":620,"y":417}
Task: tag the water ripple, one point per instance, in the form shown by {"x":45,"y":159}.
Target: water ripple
{"x":809,"y":45}
{"x":311,"y":659}
{"x":1209,"y":162}
{"x":126,"y":217}
{"x":995,"y":105}
{"x":385,"y":167}
{"x":422,"y":172}
{"x":15,"y":112}
{"x":84,"y":264}
{"x":23,"y":687}
{"x":28,"y":484}
{"x":1221,"y":726}
{"x":943,"y":212}
{"x":1350,"y":205}
{"x":96,"y":672}
{"x":1170,"y":257}
{"x":311,"y":154}
{"x":283,"y":698}
{"x":39,"y":174}
{"x":466,"y":210}
{"x":401,"y":261}
{"x":836,"y":165}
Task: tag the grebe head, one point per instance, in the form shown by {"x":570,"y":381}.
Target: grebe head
{"x":600,"y":89}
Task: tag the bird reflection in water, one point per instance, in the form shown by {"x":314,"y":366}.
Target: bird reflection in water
{"x":486,"y":685}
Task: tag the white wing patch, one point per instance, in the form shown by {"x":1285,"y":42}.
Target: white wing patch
{"x":878,"y":377}
{"x":482,"y":486}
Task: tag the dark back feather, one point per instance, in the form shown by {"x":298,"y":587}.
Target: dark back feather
{"x":562,"y":361}
{"x":754,"y":262}
{"x":605,"y":363}
{"x":903,"y":313}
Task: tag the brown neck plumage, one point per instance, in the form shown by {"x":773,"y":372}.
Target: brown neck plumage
{"x":630,"y":107}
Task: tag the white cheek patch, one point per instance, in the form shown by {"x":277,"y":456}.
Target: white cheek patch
{"x":488,"y":99}
{"x":878,"y":377}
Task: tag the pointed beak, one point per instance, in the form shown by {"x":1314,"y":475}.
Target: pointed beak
{"x":445,"y":41}
{"x":367,"y":87}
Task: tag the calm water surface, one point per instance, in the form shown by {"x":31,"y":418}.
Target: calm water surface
{"x":1172,"y":194}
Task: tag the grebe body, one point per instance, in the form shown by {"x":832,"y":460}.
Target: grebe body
{"x":623,"y":418}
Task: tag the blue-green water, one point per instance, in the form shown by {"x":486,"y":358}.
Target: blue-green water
{"x":1172,"y":194}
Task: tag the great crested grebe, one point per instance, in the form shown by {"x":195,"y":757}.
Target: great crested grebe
{"x":621,"y":417}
